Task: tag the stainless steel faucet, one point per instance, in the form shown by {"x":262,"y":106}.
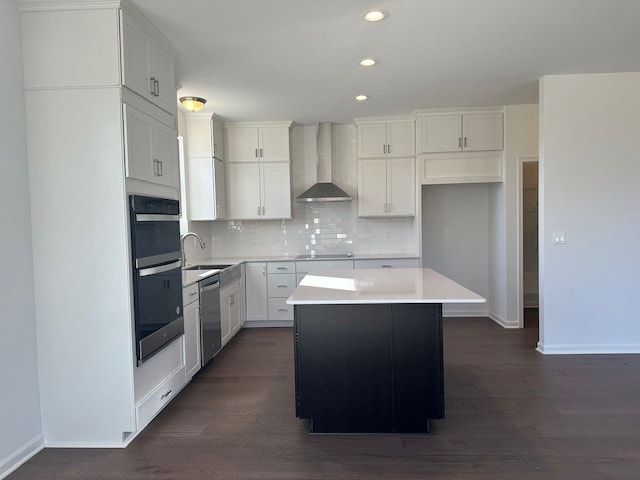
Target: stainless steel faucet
{"x":188,"y":234}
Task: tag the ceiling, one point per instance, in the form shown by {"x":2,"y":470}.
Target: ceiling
{"x":298,"y":59}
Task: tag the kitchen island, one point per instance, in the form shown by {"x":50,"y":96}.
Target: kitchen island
{"x":368,"y":348}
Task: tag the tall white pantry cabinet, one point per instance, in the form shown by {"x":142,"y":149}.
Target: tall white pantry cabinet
{"x":101,"y":124}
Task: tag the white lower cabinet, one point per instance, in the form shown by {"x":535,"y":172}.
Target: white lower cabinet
{"x":190,"y":299}
{"x":158,"y":380}
{"x":256,"y":291}
{"x":281,"y":282}
{"x":387,"y":263}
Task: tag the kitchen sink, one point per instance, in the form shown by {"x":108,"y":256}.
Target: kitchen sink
{"x":207,"y":267}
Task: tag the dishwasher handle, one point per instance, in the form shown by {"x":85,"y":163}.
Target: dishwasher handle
{"x":214,"y":286}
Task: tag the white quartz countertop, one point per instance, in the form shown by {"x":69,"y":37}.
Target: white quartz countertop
{"x":382,"y":285}
{"x":189,"y":277}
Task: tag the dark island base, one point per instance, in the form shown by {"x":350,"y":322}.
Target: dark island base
{"x":374,"y":368}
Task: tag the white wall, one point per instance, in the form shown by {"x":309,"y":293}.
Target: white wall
{"x":328,"y":227}
{"x":520,"y":139}
{"x":455,"y":239}
{"x":20,"y":425}
{"x":589,"y":174}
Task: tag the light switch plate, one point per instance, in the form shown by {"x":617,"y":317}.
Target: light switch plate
{"x":559,"y":238}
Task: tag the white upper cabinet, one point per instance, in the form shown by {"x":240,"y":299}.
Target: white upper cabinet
{"x":147,"y":67}
{"x":258,"y":191}
{"x":151,"y":147}
{"x":386,"y":139}
{"x":205,"y":171}
{"x":386,"y":187}
{"x":252,"y":143}
{"x":459,"y":132}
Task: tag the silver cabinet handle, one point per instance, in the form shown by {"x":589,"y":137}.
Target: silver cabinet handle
{"x":264,"y":270}
{"x":160,"y":168}
{"x":283,"y":309}
{"x":386,"y":266}
{"x":282,"y":268}
{"x":263,"y":212}
{"x":282,"y":286}
{"x":165,"y":395}
{"x":261,"y":155}
{"x":388,"y":148}
{"x":465,"y":142}
{"x":157,"y":88}
{"x":258,"y":210}
{"x":459,"y":142}
{"x":384,"y":148}
{"x":155,"y":167}
{"x":233,"y":299}
{"x":256,"y":153}
{"x":152,"y":86}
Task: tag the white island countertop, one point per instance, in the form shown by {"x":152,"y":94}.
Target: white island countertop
{"x":382,"y":285}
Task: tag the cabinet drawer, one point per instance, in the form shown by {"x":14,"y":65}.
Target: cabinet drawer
{"x":388,"y":263}
{"x":149,"y":407}
{"x":279,"y":310}
{"x":281,"y":267}
{"x":280,"y":285}
{"x":190,"y":294}
{"x":314,"y":265}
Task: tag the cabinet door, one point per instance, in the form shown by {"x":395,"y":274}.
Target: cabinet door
{"x":256,"y":291}
{"x":225,"y":316}
{"x":440,"y":133}
{"x":243,"y":191}
{"x":162,"y":73}
{"x":482,"y":131}
{"x":166,"y":154}
{"x":216,"y":139}
{"x":139,"y":138}
{"x":401,"y":139}
{"x":198,"y":138}
{"x":220,"y":207}
{"x":372,"y":187}
{"x":201,"y":188}
{"x":274,"y":144}
{"x":241,"y":144}
{"x":401,"y":187}
{"x":192,"y":338}
{"x":235,"y":309}
{"x":372,"y":140}
{"x":135,"y":58}
{"x":276,"y":190}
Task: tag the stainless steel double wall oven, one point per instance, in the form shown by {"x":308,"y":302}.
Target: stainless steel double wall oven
{"x":157,"y":273}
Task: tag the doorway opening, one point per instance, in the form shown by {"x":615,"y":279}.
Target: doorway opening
{"x":529,"y":273}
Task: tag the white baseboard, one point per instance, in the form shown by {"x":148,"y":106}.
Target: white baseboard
{"x":576,"y":349}
{"x":451,"y":311}
{"x":502,"y":322}
{"x":20,"y":456}
{"x":267,"y":323}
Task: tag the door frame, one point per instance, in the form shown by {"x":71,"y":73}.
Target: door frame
{"x":522,"y":159}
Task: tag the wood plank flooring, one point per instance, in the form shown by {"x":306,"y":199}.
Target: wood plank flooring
{"x":511,"y":413}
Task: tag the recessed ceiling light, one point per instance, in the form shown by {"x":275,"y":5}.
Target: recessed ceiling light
{"x":361,"y":98}
{"x":368,"y":62}
{"x":375,"y":15}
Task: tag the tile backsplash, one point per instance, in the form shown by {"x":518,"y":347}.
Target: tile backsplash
{"x":324,"y":227}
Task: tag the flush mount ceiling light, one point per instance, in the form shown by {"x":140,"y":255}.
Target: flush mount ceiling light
{"x":193,"y":104}
{"x":375,"y":15}
{"x":361,"y":98}
{"x":368,"y":62}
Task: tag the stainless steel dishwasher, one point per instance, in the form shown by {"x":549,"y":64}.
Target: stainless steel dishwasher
{"x":210,"y":337}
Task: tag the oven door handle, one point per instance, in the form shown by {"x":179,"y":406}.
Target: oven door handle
{"x":144,"y":272}
{"x":153,"y":217}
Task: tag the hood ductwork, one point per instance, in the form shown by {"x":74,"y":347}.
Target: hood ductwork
{"x":324,"y":190}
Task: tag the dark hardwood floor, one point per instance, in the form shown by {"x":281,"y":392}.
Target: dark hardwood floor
{"x":511,"y":413}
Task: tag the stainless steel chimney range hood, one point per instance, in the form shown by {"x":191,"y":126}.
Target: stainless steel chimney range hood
{"x":324,"y":190}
